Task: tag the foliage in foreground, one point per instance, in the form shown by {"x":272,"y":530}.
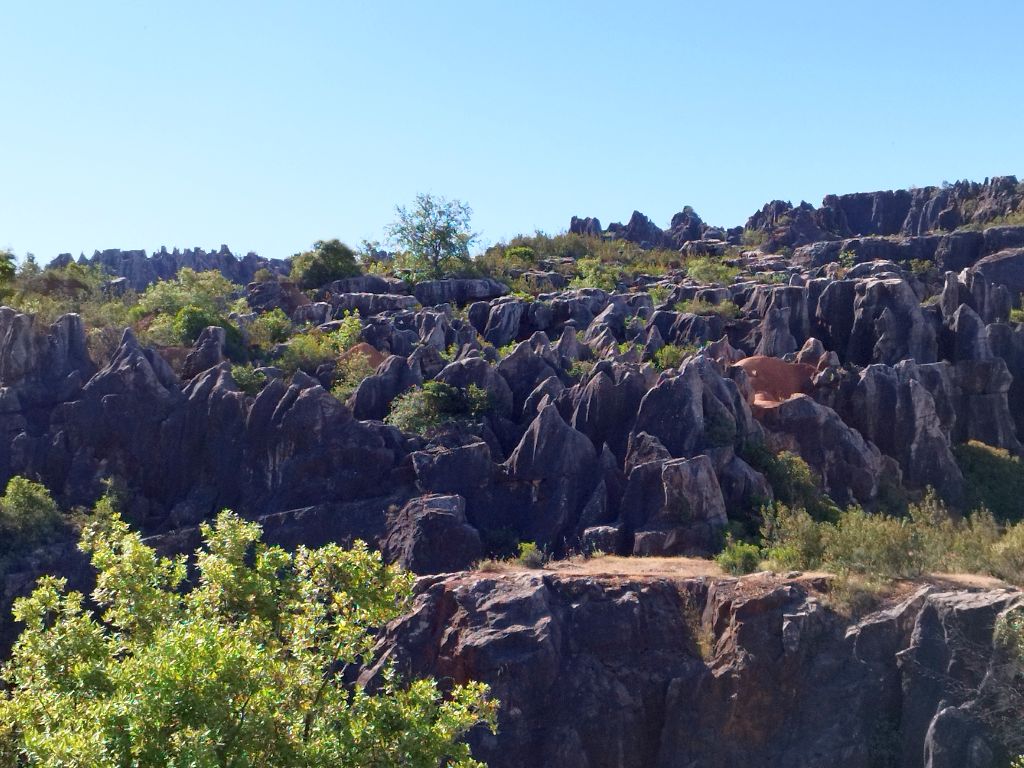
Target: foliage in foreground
{"x":244,"y":670}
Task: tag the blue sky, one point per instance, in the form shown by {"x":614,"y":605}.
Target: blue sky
{"x":269,"y":125}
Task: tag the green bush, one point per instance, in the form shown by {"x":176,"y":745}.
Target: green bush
{"x":739,"y":557}
{"x":874,"y":544}
{"x":427,"y":408}
{"x":792,"y":539}
{"x":878,"y":546}
{"x":210,"y":291}
{"x":659,"y":294}
{"x":705,"y":269}
{"x":190,"y":321}
{"x":725,"y":309}
{"x":592,"y":273}
{"x":270,"y":328}
{"x":993,"y":479}
{"x":244,"y":665}
{"x":580,"y":369}
{"x":329,"y":260}
{"x":349,"y":374}
{"x":248,"y":379}
{"x":673,"y":355}
{"x":308,"y":351}
{"x":28,"y":516}
{"x":350,"y":330}
{"x":531,"y":556}
{"x":792,"y":480}
{"x":1007,"y":559}
{"x":754,"y":237}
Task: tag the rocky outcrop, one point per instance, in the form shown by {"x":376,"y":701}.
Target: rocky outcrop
{"x":850,"y":466}
{"x":430,"y":535}
{"x":458,"y":291}
{"x":892,"y":409}
{"x":646,"y":671}
{"x":913,"y":212}
{"x":141,"y":270}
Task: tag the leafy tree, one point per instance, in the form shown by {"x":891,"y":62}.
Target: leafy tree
{"x":28,"y":516}
{"x":7,"y":268}
{"x":435,"y":233}
{"x":436,"y":403}
{"x":270,"y":328}
{"x":209,"y":291}
{"x":190,"y":321}
{"x":244,"y":670}
{"x":329,"y":260}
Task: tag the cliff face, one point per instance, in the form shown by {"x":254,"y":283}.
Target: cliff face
{"x":603,"y":671}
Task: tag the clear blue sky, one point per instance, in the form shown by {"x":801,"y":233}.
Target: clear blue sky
{"x":269,"y":125}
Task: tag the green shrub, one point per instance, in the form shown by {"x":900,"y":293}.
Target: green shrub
{"x":1007,"y":559}
{"x":705,"y":269}
{"x":209,"y":291}
{"x":792,"y":539}
{"x":580,"y":369}
{"x":993,"y":479}
{"x":659,"y":294}
{"x":792,"y":480}
{"x":308,"y":351}
{"x":28,"y":516}
{"x":673,"y":355}
{"x":520,"y":255}
{"x":270,"y":328}
{"x":923,"y":268}
{"x":349,"y":374}
{"x":248,"y":379}
{"x":190,"y":321}
{"x":951,"y":544}
{"x":427,"y":408}
{"x":350,"y":330}
{"x":739,"y":557}
{"x":725,"y":309}
{"x":329,"y":260}
{"x":531,"y":556}
{"x":754,"y":237}
{"x":874,"y":544}
{"x":244,"y":665}
{"x":594,"y":274}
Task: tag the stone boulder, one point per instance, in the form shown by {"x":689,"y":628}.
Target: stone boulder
{"x":430,"y":535}
{"x":207,"y":352}
{"x":562,"y":471}
{"x":431,"y":293}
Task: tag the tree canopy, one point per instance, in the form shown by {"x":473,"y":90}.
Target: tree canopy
{"x":435,"y":233}
{"x":243,"y":670}
{"x":329,"y":260}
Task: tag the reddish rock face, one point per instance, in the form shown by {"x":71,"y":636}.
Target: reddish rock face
{"x":775,"y":380}
{"x":373,"y":356}
{"x":623,"y":671}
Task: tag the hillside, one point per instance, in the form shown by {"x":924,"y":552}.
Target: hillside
{"x":833,"y":393}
